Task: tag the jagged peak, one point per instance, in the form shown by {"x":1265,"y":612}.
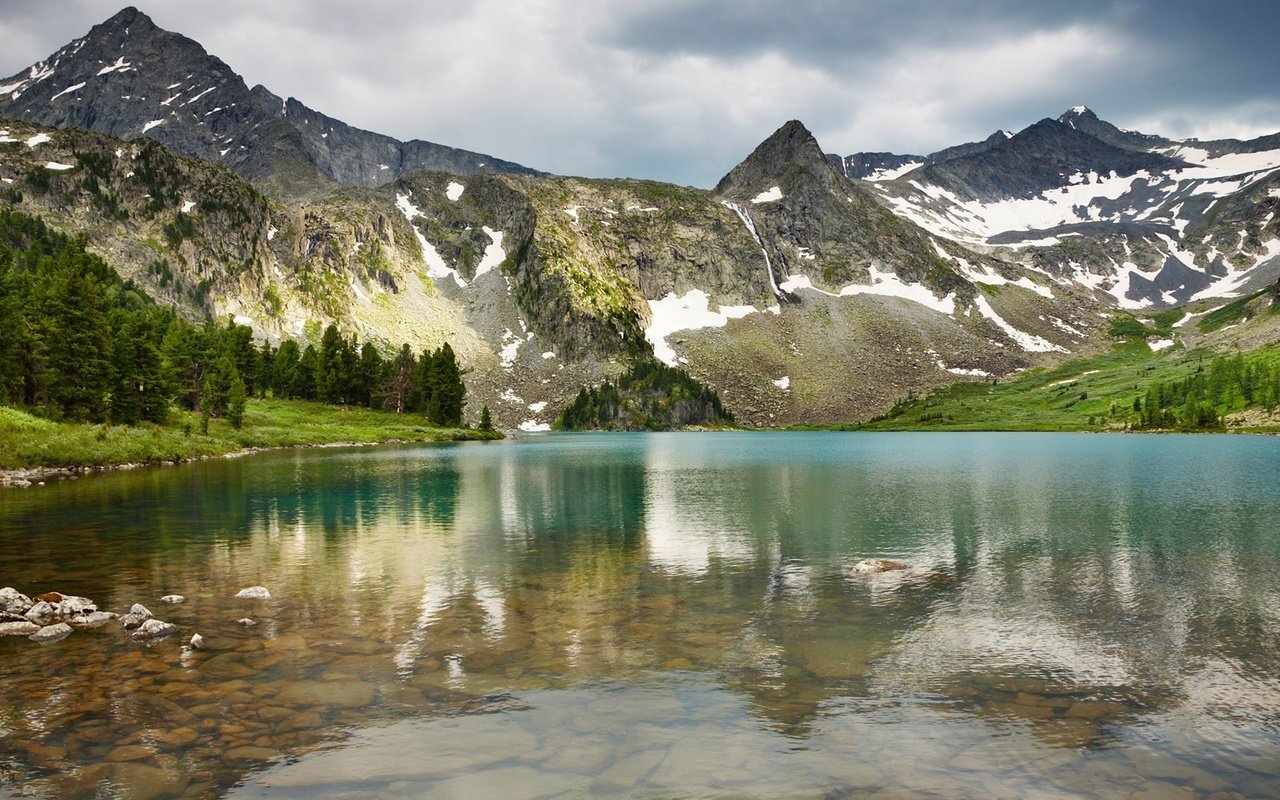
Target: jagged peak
{"x":128,"y":19}
{"x":790,"y":144}
{"x":1077,"y":113}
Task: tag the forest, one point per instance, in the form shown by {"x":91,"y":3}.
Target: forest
{"x":79,"y":344}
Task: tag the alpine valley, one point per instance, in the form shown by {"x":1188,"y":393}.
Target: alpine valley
{"x":804,"y":288}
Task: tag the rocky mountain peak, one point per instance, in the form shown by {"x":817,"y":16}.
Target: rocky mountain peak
{"x":790,"y":147}
{"x":1075,"y":113}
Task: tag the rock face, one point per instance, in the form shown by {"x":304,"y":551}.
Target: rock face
{"x":129,"y":78}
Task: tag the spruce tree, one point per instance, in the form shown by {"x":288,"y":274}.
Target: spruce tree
{"x":486,"y":422}
{"x":77,"y":368}
{"x":236,"y":398}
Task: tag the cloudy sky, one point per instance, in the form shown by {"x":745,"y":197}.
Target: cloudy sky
{"x":681,"y":90}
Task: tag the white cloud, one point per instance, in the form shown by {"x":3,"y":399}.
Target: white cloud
{"x":557,"y":85}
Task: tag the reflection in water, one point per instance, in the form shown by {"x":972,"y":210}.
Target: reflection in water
{"x":1078,"y":621}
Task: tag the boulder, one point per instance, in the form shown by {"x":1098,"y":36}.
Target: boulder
{"x":254,"y":593}
{"x":874,"y":566}
{"x":69,"y":606}
{"x":154,"y":629}
{"x":137,"y":615}
{"x":91,"y":620}
{"x":172,"y":599}
{"x":23,"y":628}
{"x":42,"y":613}
{"x":197,"y":641}
{"x":52,"y":598}
{"x":51,"y":633}
{"x":14,"y":602}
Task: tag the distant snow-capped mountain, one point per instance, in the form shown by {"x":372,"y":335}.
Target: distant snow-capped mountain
{"x":1134,"y":216}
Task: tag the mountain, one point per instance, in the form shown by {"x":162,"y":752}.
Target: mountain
{"x":795,"y":290}
{"x":1138,"y":219}
{"x":129,"y":78}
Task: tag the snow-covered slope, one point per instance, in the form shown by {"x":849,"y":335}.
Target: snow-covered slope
{"x":1132,"y":216}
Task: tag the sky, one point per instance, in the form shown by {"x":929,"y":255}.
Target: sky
{"x":682,"y":90}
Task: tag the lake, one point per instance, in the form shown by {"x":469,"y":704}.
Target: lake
{"x":662,"y":616}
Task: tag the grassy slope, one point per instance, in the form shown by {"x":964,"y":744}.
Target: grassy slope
{"x":27,"y":441}
{"x":1063,"y":398}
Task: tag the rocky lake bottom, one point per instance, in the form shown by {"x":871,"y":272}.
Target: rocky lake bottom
{"x":660,"y":616}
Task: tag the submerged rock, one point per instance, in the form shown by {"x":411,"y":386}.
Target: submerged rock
{"x":91,"y":620}
{"x":23,"y":628}
{"x":197,"y":641}
{"x":245,"y":621}
{"x":254,"y":593}
{"x":51,"y":633}
{"x":874,"y":566}
{"x":173,"y":599}
{"x":138,"y":614}
{"x":154,"y":629}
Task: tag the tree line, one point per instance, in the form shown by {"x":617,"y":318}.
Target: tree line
{"x":1199,"y":401}
{"x":649,"y":396}
{"x":80,"y":344}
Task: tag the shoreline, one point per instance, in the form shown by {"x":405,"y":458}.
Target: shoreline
{"x":28,"y":477}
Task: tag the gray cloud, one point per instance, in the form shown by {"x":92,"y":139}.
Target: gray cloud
{"x":680,"y":90}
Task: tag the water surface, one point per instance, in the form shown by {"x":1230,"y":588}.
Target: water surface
{"x":665,"y":615}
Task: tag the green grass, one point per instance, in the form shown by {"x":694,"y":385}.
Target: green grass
{"x":27,"y":441}
{"x":1095,"y":393}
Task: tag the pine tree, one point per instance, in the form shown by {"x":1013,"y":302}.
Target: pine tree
{"x":304,"y":377}
{"x":369,"y":375}
{"x":77,"y":369}
{"x":486,"y":423}
{"x":403,"y":383}
{"x":329,"y":378}
{"x":284,"y":369}
{"x":236,"y":398}
{"x":448,"y":393}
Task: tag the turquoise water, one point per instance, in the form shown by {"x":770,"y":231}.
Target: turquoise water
{"x":663,"y":615}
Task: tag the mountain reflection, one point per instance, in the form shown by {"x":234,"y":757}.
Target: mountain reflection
{"x":1066,"y":603}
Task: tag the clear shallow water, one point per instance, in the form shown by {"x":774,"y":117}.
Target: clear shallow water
{"x":664,"y":615}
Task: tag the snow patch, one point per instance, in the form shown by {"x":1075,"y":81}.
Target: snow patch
{"x":533,"y":426}
{"x":67,"y":90}
{"x":152,"y":124}
{"x":187,"y":206}
{"x":690,"y":312}
{"x":1027,"y":341}
{"x":888,"y":284}
{"x":510,"y":348}
{"x":538,"y":407}
{"x":494,"y":255}
{"x":243,"y":320}
{"x":969,"y":373}
{"x":57,"y":166}
{"x":271,"y":232}
{"x":1160,"y":344}
{"x":454,"y":190}
{"x":894,"y":173}
{"x":783,"y":383}
{"x":572,"y":211}
{"x":39,"y":138}
{"x":436,"y":267}
{"x":768,"y":196}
